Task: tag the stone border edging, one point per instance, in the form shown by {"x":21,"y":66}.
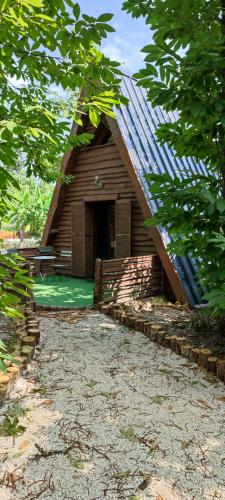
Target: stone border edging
{"x":60,"y":308}
{"x":28,"y":335}
{"x":204,"y":358}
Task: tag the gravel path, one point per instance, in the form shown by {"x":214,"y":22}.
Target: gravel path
{"x":109,"y":415}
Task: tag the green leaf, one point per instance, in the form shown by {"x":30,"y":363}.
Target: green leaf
{"x":46,"y":18}
{"x":220,"y":205}
{"x":70,"y":3}
{"x":94,"y":117}
{"x":78,"y":120}
{"x":104,"y":18}
{"x":3,"y":367}
{"x":34,"y":3}
{"x":4,"y":5}
{"x":76,"y":10}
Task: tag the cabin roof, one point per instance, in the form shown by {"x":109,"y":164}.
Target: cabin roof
{"x":138,"y":123}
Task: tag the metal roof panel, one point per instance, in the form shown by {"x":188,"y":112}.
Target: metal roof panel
{"x":138,"y":123}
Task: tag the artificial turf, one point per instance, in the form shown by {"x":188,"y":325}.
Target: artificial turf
{"x":58,"y":290}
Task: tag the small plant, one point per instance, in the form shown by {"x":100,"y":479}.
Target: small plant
{"x":106,"y":395}
{"x":128,"y":434}
{"x":40,"y":390}
{"x":122,"y":475}
{"x":92,"y":383}
{"x":4,"y":356}
{"x":10,"y":427}
{"x":79,"y":464}
{"x":200,"y":322}
{"x":159,"y":399}
{"x":16,"y":411}
{"x":110,"y":395}
{"x":165,"y":371}
{"x":159,"y":300}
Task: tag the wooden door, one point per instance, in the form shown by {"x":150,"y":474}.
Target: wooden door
{"x":78,"y":246}
{"x":123,"y":228}
{"x":89,"y":247}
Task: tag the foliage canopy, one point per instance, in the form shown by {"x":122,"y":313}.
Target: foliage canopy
{"x":185,"y":71}
{"x":48,"y":46}
{"x":30,"y":208}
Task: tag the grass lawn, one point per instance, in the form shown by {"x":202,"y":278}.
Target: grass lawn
{"x":57,"y":290}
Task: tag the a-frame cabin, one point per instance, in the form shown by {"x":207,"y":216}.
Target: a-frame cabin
{"x":101,"y":213}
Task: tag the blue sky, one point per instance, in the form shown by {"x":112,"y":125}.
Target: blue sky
{"x":131,"y":34}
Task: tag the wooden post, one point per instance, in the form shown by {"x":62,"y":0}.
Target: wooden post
{"x":28,"y":352}
{"x":154,"y":332}
{"x":178,"y":344}
{"x":29,"y":340}
{"x":212,"y":364}
{"x":161,"y":335}
{"x":204,"y":354}
{"x":147,"y":328}
{"x":185,"y":350}
{"x":194,"y":354}
{"x":140,"y":324}
{"x":130,"y":320}
{"x":221,"y":369}
{"x":98,"y":292}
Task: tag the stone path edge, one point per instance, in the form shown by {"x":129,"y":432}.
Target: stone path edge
{"x":204,"y":358}
{"x":28,"y":333}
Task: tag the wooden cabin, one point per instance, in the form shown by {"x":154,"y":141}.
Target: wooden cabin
{"x":101,"y":213}
{"x":100,"y":216}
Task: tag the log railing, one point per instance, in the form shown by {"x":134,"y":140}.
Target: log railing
{"x":119,"y":280}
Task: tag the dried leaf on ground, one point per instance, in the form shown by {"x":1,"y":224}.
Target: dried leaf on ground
{"x":23,"y":445}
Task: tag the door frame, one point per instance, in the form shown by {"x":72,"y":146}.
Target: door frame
{"x":89,"y":231}
{"x":87,"y":263}
{"x":100,"y":197}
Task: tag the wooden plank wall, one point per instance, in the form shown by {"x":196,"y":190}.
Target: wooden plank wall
{"x":105,"y":163}
{"x":119,"y":280}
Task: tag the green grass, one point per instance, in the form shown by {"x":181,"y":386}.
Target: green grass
{"x":57,"y":290}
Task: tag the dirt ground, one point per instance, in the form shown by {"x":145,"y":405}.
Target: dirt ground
{"x":102,"y":413}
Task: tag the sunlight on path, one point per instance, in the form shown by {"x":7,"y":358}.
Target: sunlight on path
{"x":109,"y":415}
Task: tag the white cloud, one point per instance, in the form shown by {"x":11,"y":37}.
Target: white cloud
{"x":126,"y":52}
{"x":114,"y":53}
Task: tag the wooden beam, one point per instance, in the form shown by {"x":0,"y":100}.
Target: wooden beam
{"x":173,"y":277}
{"x":101,"y":197}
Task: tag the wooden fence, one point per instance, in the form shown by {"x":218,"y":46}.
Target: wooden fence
{"x":119,"y":280}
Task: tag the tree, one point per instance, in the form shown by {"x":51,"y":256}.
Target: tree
{"x":185,"y":71}
{"x":46,"y":46}
{"x":12,"y":276}
{"x":30,"y":207}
